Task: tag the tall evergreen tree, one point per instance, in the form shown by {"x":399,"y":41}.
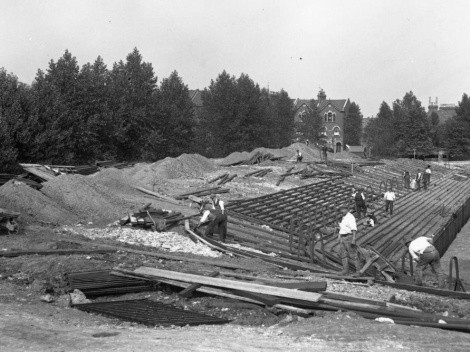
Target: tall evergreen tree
{"x":177,"y":111}
{"x":133,"y":105}
{"x":310,"y":123}
{"x":353,"y":125}
{"x":379,"y":133}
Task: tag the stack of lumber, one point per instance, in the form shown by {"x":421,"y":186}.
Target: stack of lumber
{"x":303,"y":298}
{"x":152,"y":218}
{"x":202,"y":192}
{"x":256,"y":158}
{"x":258,"y":173}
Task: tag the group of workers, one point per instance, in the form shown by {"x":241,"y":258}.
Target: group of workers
{"x":420,"y":177}
{"x":422,"y":252}
{"x":421,"y":249}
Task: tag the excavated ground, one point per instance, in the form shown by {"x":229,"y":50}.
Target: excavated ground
{"x":75,"y":207}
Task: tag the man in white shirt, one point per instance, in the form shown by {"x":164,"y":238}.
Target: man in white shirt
{"x":347,"y":240}
{"x":389,"y":197}
{"x":423,"y":254}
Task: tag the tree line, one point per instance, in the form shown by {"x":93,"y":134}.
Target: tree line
{"x":76,"y":115}
{"x":405,"y":129}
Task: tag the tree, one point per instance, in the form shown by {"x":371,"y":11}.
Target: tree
{"x":411,"y":126}
{"x":353,"y":125}
{"x":133,"y":106}
{"x":177,"y":111}
{"x":378,"y":133}
{"x":457,"y":131}
{"x":310,"y":123}
{"x":281,"y":120}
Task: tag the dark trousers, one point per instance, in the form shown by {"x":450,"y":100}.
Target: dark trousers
{"x":361,"y":208}
{"x":220,"y":221}
{"x":430,"y":257}
{"x":389,"y":204}
{"x":418,"y":185}
{"x":426,"y":181}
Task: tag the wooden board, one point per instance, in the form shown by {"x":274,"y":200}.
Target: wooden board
{"x":224,"y":283}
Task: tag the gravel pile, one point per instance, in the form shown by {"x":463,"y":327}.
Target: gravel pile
{"x":168,"y":241}
{"x":33,"y":205}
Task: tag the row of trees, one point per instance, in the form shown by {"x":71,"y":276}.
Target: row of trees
{"x":73,"y":115}
{"x":406,"y":129}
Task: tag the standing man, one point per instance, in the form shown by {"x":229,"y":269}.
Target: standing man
{"x":389,"y":197}
{"x":360,"y":202}
{"x":424,"y":253}
{"x":214,"y":218}
{"x":407,"y":179}
{"x":427,"y":177}
{"x":347,"y":240}
{"x":299,"y":156}
{"x":419,"y":177}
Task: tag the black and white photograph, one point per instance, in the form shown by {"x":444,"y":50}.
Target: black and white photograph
{"x":234,"y":175}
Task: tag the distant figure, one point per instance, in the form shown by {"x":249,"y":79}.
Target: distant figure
{"x":406,"y":179}
{"x":324,"y":151}
{"x":299,"y":156}
{"x":424,"y":253}
{"x":360,"y":202}
{"x":427,"y":177}
{"x":307,"y":142}
{"x":419,"y":177}
{"x":389,"y":197}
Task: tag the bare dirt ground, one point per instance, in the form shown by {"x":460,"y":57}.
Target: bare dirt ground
{"x":91,"y":203}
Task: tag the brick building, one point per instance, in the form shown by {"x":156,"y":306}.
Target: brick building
{"x":333,"y":111}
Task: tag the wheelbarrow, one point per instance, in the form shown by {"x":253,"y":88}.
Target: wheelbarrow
{"x":8,"y":223}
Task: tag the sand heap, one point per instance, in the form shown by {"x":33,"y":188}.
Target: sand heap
{"x":33,"y":205}
{"x":101,"y":197}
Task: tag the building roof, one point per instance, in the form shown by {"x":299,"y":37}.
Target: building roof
{"x":445,"y":112}
{"x":299,"y":102}
{"x":339,"y":104}
{"x":196,"y":97}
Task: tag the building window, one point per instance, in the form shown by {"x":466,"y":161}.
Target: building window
{"x":329,"y":117}
{"x":323,"y":131}
{"x":336,"y":131}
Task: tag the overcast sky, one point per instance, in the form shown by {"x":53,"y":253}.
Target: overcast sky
{"x":366,"y":50}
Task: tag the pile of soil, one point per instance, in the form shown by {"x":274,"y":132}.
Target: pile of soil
{"x":34,"y":206}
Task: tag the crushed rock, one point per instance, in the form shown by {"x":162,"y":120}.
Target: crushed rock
{"x":168,"y":241}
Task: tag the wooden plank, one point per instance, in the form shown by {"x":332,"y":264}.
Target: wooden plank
{"x":191,"y":288}
{"x":303,"y":286}
{"x":55,"y":252}
{"x":368,"y":264}
{"x":160,"y":196}
{"x":224,"y":283}
{"x":225,"y":294}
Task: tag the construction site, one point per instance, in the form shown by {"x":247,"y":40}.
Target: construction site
{"x":111,"y":256}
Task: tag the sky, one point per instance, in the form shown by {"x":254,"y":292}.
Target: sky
{"x":369,"y":51}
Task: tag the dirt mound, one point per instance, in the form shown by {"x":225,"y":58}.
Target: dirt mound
{"x":34,"y":205}
{"x":101,"y":196}
{"x":184,"y":166}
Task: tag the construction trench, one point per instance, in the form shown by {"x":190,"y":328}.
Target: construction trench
{"x":282,"y":252}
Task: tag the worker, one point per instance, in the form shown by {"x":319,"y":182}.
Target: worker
{"x":389,"y":197}
{"x":419,"y":177}
{"x":424,"y":253}
{"x":347,"y":240}
{"x":371,"y":219}
{"x":213,"y":218}
{"x":360,"y":202}
{"x":299,"y":156}
{"x":406,"y":179}
{"x":427,"y":177}
{"x":217,"y":203}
